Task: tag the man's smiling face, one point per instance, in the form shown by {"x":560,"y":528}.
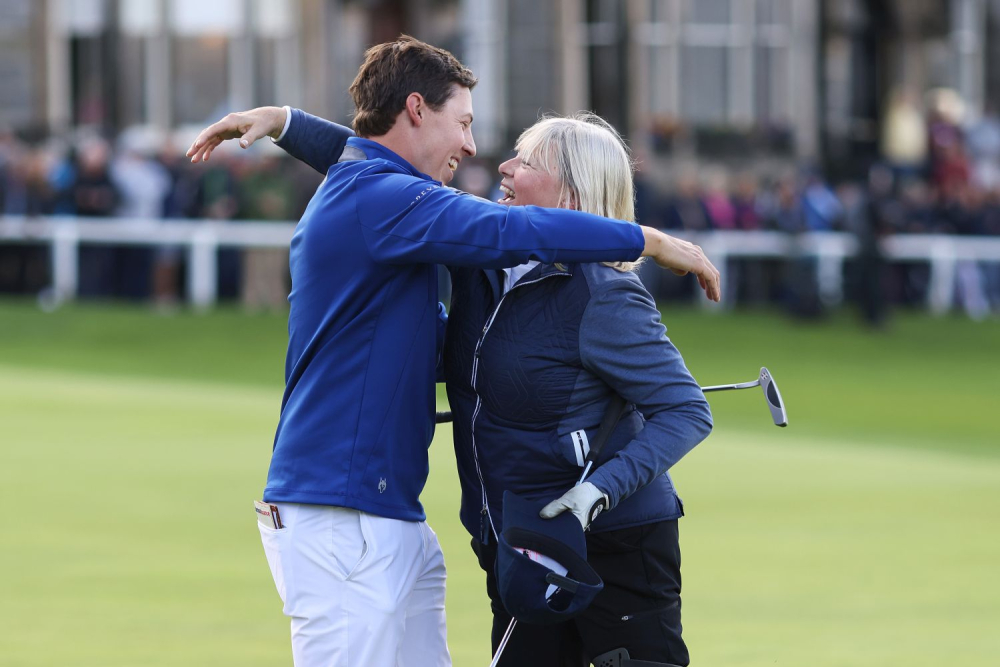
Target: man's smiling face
{"x":446,"y":136}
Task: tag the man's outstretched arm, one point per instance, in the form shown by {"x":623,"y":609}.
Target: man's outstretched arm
{"x":679,"y":256}
{"x":317,"y":142}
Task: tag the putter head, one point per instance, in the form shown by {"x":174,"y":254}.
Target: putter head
{"x":773,"y":396}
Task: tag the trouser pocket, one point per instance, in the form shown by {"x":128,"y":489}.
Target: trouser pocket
{"x":349,"y":543}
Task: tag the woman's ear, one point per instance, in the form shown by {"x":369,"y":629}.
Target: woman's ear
{"x":571,"y":201}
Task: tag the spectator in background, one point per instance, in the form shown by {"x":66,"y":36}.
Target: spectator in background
{"x":24,"y":187}
{"x":983,"y":142}
{"x":180,"y":203}
{"x":95,"y":195}
{"x":949,"y":170}
{"x":950,"y":174}
{"x":217,"y":199}
{"x":649,"y":205}
{"x":144,"y":185}
{"x":821,"y":210}
{"x":800,"y":290}
{"x":25,"y":191}
{"x":652,"y":210}
{"x":991,"y":226}
{"x":904,"y":134}
{"x":873,"y":217}
{"x":266,"y":194}
{"x":686,"y":210}
{"x":746,"y":204}
{"x":716,"y":202}
{"x":61,"y":175}
{"x":916,"y":201}
{"x":9,"y":149}
{"x":970,"y":283}
{"x":749,"y":277}
{"x":787,"y":211}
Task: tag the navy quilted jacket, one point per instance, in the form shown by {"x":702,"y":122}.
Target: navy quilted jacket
{"x":530,"y":375}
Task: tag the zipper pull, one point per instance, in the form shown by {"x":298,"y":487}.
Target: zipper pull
{"x":484,"y":530}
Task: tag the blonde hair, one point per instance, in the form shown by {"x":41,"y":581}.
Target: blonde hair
{"x":591,"y":161}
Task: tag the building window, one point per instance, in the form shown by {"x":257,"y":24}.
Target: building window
{"x":274,"y":51}
{"x":266,"y":77}
{"x":717,"y":66}
{"x":772,"y":66}
{"x":132,"y":81}
{"x":704,"y":84}
{"x":606,"y":40}
{"x":201,"y":79}
{"x":17,"y":66}
{"x":202,"y":36}
{"x":89,"y":81}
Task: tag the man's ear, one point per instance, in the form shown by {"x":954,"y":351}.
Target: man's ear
{"x":416,"y":107}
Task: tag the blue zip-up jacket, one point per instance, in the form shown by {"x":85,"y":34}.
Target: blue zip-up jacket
{"x":530,"y":375}
{"x":357,"y":415}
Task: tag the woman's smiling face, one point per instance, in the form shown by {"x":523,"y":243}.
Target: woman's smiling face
{"x":529,"y":184}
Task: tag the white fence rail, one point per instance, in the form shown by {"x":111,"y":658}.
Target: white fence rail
{"x":202,"y":238}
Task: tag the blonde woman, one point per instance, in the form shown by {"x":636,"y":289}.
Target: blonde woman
{"x":532,"y":357}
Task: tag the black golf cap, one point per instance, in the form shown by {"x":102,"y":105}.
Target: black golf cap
{"x":523,"y":582}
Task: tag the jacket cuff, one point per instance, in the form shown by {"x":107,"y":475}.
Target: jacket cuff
{"x":293,"y":127}
{"x":288,"y":121}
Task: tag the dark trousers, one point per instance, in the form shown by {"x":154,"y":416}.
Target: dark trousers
{"x":638,"y":610}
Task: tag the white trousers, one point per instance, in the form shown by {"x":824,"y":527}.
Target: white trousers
{"x":361,"y":590}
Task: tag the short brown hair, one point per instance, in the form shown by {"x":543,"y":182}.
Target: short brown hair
{"x":391,"y":71}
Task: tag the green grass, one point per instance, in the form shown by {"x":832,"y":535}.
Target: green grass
{"x":865,"y":534}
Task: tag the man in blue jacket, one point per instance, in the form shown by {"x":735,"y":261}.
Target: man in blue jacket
{"x":359,"y":571}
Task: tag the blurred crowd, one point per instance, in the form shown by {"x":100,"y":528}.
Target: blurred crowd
{"x":132,"y":180}
{"x":945,"y":176}
{"x":937,"y":174}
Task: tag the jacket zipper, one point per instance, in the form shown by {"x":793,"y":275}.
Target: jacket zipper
{"x":486,"y":526}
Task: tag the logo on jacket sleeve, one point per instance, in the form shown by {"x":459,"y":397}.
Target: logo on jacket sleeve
{"x":423,"y":192}
{"x":381,"y":484}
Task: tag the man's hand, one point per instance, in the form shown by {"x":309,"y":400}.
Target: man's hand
{"x":247,"y":126}
{"x":682,"y":257}
{"x":585,"y":501}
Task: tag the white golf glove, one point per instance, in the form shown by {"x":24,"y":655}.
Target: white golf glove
{"x":585,"y":501}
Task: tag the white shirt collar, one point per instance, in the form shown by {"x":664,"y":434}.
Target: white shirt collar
{"x":513,"y":275}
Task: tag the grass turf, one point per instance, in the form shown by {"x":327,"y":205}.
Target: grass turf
{"x":864,"y":534}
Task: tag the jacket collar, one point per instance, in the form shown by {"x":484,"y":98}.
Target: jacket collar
{"x":545,"y":270}
{"x":495,"y":276}
{"x":373,"y":149}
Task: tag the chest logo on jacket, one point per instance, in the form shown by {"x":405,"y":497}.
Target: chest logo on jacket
{"x":381,"y":484}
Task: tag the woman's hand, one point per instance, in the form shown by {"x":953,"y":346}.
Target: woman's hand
{"x":585,"y":501}
{"x":682,"y":257}
{"x":247,"y":126}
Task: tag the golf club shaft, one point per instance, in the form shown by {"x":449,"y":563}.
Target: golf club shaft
{"x":445,"y":417}
{"x":724,"y":387}
{"x":503,"y":642}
